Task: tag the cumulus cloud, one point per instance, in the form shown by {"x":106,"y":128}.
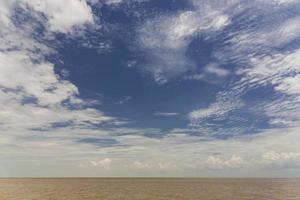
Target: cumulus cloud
{"x":154,"y":166}
{"x":32,"y":94}
{"x":198,"y":153}
{"x":274,"y":156}
{"x":275,"y":160}
{"x":63,"y":16}
{"x":36,"y":80}
{"x":5,"y":7}
{"x":140,"y":165}
{"x":105,"y":163}
{"x":269,"y":160}
{"x":218,"y":163}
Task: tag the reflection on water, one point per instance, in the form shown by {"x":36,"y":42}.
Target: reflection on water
{"x":149,"y":189}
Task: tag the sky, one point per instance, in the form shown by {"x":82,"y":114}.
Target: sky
{"x":149,"y":88}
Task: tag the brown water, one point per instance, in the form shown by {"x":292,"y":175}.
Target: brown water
{"x":149,"y":189}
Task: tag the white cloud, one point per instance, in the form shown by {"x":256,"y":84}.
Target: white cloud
{"x":216,"y":70}
{"x":280,"y":71}
{"x":5,"y":7}
{"x":35,"y":97}
{"x":117,"y":2}
{"x":274,"y":156}
{"x":190,"y":152}
{"x":254,"y":52}
{"x":289,"y":30}
{"x":173,"y":155}
{"x":166,"y":114}
{"x":221,"y":107}
{"x":165,"y":40}
{"x":37,"y":80}
{"x":63,"y":16}
{"x":196,"y":77}
{"x":113,"y":1}
{"x":269,"y":160}
{"x":206,"y":112}
{"x":154,"y":166}
{"x":280,"y":2}
{"x":275,"y":160}
{"x":105,"y":163}
{"x":218,"y":163}
{"x":178,"y":29}
{"x":140,"y":165}
{"x":167,"y":166}
{"x":212,"y":69}
{"x":123,"y":100}
{"x":290,"y":85}
{"x":272,"y":69}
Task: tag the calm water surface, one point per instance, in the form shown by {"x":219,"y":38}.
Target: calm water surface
{"x":149,"y":189}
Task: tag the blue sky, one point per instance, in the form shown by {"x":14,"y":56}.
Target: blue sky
{"x":149,"y":88}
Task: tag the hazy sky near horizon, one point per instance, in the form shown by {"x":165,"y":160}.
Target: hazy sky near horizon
{"x":149,"y":88}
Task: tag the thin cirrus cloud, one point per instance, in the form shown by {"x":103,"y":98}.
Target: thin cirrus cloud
{"x":254,"y":49}
{"x":166,"y":114}
{"x":165,"y":39}
{"x":209,"y":71}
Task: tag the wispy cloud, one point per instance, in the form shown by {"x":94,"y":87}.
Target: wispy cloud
{"x":166,"y":114}
{"x":165,"y":40}
{"x":253,"y":51}
{"x":216,"y":70}
{"x":123,"y":100}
